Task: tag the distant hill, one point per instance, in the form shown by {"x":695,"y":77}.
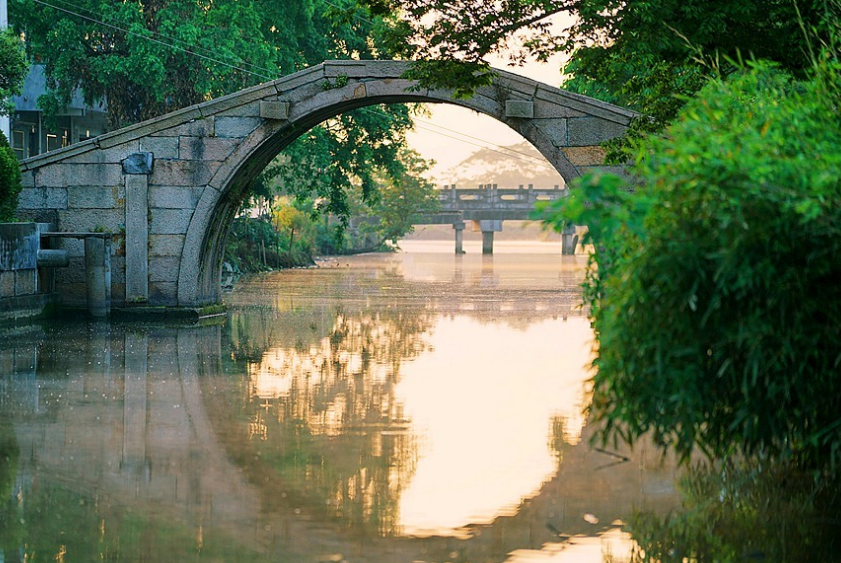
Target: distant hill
{"x":508,"y":167}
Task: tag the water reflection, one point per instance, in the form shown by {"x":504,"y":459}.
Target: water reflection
{"x":388,"y":408}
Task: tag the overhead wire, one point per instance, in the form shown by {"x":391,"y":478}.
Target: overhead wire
{"x":270,"y":76}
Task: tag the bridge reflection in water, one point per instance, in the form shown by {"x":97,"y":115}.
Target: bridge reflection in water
{"x":297,"y":431}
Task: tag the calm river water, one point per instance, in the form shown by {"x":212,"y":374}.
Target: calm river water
{"x":413,"y":407}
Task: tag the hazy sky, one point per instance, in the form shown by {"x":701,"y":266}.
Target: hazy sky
{"x":453,"y":133}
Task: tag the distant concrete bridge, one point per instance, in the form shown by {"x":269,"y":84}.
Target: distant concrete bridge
{"x":487,"y":207}
{"x":168,"y":188}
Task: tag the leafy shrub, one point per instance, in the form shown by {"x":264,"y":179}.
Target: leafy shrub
{"x":716,"y":297}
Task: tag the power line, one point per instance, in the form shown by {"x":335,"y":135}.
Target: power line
{"x":152,"y":39}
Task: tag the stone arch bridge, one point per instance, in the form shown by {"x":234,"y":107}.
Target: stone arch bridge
{"x":168,"y":188}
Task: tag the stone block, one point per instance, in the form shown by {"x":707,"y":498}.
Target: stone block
{"x":313,"y":74}
{"x":28,"y":179}
{"x":91,"y":220}
{"x":274,"y":110}
{"x":589,"y":131}
{"x":7,"y":283}
{"x":201,"y":127}
{"x":555,"y":130}
{"x":182,"y":173}
{"x":43,"y":198}
{"x":19,"y":243}
{"x":95,"y":197}
{"x":547,"y":106}
{"x":174,"y":197}
{"x":164,"y":268}
{"x":365,"y":69}
{"x":523,"y":109}
{"x":166,"y":245}
{"x":236,"y":127}
{"x":60,"y":175}
{"x":169,"y":221}
{"x":390,"y":87}
{"x":26,"y":282}
{"x":250,"y":109}
{"x":206,"y":148}
{"x":118,"y":269}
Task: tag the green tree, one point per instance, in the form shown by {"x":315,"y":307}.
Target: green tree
{"x":13,"y":69}
{"x":10,"y":180}
{"x":715,"y":300}
{"x":402,"y":199}
{"x":148,"y":57}
{"x":646,"y":54}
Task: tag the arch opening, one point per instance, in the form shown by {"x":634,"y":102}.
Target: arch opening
{"x":556,"y":123}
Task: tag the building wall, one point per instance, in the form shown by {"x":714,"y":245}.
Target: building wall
{"x":31,"y":134}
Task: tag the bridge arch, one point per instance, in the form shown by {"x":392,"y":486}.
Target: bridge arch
{"x":174,"y":183}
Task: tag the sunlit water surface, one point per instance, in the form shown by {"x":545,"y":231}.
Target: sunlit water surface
{"x":420,"y":406}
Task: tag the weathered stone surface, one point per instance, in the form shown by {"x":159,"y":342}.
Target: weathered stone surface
{"x":26,"y":282}
{"x":161,"y":147}
{"x":201,"y":127}
{"x":137,"y":237}
{"x":19,"y":244}
{"x":43,"y":198}
{"x":138,"y":163}
{"x":166,"y":245}
{"x":164,"y":269}
{"x":169,"y":221}
{"x":298,"y":79}
{"x":556,"y":130}
{"x":28,"y":179}
{"x":181,"y":173}
{"x":61,"y":175}
{"x":364,"y":69}
{"x":236,"y":127}
{"x":523,"y":109}
{"x":95,"y":197}
{"x":163,"y":293}
{"x":589,"y":131}
{"x":274,"y":110}
{"x":251,"y":109}
{"x":90,"y":220}
{"x":7,"y":283}
{"x":206,"y":148}
{"x":174,"y":197}
{"x":585,"y":156}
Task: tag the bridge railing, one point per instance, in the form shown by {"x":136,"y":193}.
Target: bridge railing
{"x":489,"y":196}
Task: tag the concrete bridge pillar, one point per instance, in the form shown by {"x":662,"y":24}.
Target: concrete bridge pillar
{"x":459,"y":231}
{"x":488,"y":229}
{"x":569,"y":240}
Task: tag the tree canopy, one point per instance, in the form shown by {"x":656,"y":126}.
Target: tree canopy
{"x":148,"y":57}
{"x":13,"y":69}
{"x":646,"y":55}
